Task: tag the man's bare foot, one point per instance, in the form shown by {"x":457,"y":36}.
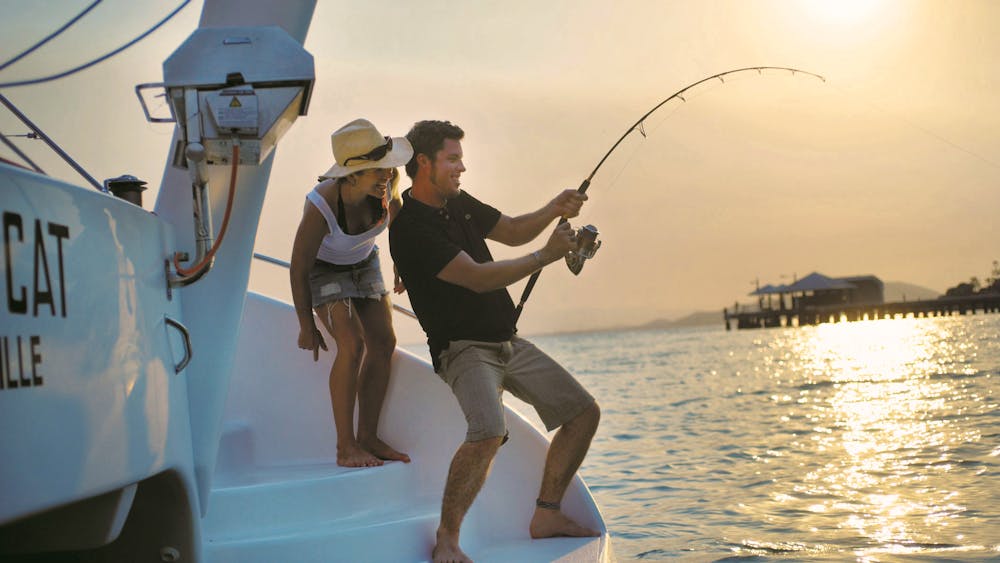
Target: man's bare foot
{"x":447,"y":550}
{"x":548,"y":523}
{"x":381,"y":450}
{"x":355,"y":456}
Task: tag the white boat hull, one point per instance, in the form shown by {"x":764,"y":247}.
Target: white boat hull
{"x":90,"y":396}
{"x":151,"y":421}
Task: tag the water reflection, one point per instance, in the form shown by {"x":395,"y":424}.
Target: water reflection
{"x":868,"y":441}
{"x":885,"y":433}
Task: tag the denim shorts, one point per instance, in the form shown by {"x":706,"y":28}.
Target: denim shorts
{"x":479,"y":372}
{"x":335,"y":282}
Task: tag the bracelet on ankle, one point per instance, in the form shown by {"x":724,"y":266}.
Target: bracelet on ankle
{"x":547,"y":505}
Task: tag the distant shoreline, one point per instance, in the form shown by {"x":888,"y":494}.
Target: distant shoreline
{"x":894,"y":291}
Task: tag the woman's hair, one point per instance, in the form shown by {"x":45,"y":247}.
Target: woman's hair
{"x":427,"y":138}
{"x":392,"y":192}
{"x":394,"y":185}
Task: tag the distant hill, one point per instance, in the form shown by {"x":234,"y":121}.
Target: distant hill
{"x":698,"y":318}
{"x":894,"y":291}
{"x":902,"y":291}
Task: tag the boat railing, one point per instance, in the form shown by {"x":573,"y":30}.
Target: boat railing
{"x":286,"y":265}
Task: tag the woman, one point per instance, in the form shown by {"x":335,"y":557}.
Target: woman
{"x":335,"y":271}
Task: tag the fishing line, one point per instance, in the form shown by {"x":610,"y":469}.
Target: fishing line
{"x":920,"y":128}
{"x":639,"y":125}
{"x":688,"y":97}
{"x":635,"y":151}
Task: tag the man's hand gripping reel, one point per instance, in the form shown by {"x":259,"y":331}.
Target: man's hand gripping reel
{"x":586,"y":246}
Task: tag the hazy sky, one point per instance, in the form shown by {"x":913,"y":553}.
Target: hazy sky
{"x":889,"y":168}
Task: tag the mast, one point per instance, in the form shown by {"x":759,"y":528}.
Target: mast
{"x":242,"y":78}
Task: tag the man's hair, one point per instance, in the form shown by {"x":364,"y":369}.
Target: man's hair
{"x":427,"y":138}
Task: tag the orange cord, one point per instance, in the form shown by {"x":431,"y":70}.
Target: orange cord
{"x":188,"y":272}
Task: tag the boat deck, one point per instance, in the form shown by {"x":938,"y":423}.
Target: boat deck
{"x":323,"y":512}
{"x":278,"y":494}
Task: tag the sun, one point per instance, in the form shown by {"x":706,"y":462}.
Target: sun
{"x":842,"y":12}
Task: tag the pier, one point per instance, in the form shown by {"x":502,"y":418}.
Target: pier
{"x":810,"y":314}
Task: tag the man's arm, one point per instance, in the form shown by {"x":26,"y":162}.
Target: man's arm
{"x":515,"y":231}
{"x":466,"y":272}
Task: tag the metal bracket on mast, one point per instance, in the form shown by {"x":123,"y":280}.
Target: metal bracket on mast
{"x":194,"y":156}
{"x":233,"y":92}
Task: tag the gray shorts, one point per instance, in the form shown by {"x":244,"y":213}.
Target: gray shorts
{"x":479,"y":372}
{"x":335,"y":282}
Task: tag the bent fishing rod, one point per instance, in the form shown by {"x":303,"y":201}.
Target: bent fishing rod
{"x":588,"y":235}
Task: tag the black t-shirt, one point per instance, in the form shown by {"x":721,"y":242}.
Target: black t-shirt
{"x":423,"y":240}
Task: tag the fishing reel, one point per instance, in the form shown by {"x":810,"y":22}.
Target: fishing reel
{"x":586,"y":246}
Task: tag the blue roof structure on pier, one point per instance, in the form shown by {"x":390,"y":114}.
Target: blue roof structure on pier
{"x":817,"y":282}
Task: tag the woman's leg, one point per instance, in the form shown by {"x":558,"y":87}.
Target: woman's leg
{"x":380,"y":341}
{"x":347,"y":331}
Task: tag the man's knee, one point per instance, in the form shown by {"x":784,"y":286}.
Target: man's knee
{"x":595,"y":410}
{"x":488,"y":430}
{"x":589,"y":417}
{"x":486,"y":447}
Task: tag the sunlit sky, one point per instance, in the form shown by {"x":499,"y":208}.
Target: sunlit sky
{"x":889,"y":168}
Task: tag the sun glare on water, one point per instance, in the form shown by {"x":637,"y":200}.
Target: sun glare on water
{"x":883,"y":429}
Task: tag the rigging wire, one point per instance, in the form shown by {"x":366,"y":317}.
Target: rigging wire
{"x":52,"y":145}
{"x":19,"y":152}
{"x":98,"y":60}
{"x":51,"y":36}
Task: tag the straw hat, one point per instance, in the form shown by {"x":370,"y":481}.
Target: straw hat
{"x":359,"y":146}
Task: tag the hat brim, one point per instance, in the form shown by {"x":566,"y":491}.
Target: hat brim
{"x":399,"y":155}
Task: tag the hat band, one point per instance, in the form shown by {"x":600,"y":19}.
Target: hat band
{"x":377,"y":153}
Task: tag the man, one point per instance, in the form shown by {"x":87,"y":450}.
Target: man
{"x":459,"y":295}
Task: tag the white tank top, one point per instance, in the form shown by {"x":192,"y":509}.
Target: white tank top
{"x":339,"y":247}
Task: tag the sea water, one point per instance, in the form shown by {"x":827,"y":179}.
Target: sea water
{"x":865,"y":441}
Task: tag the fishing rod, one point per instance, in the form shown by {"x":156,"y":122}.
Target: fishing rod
{"x":587,"y":236}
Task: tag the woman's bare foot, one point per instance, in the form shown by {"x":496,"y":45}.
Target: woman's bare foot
{"x":548,"y":523}
{"x":355,"y":456}
{"x":381,"y":450}
{"x":447,"y":550}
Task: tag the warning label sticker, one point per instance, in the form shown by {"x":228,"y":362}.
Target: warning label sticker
{"x":234,"y":109}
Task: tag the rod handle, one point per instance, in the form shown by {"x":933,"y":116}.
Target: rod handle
{"x":534,"y":277}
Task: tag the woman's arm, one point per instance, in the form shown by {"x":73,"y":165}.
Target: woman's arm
{"x":308,"y":238}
